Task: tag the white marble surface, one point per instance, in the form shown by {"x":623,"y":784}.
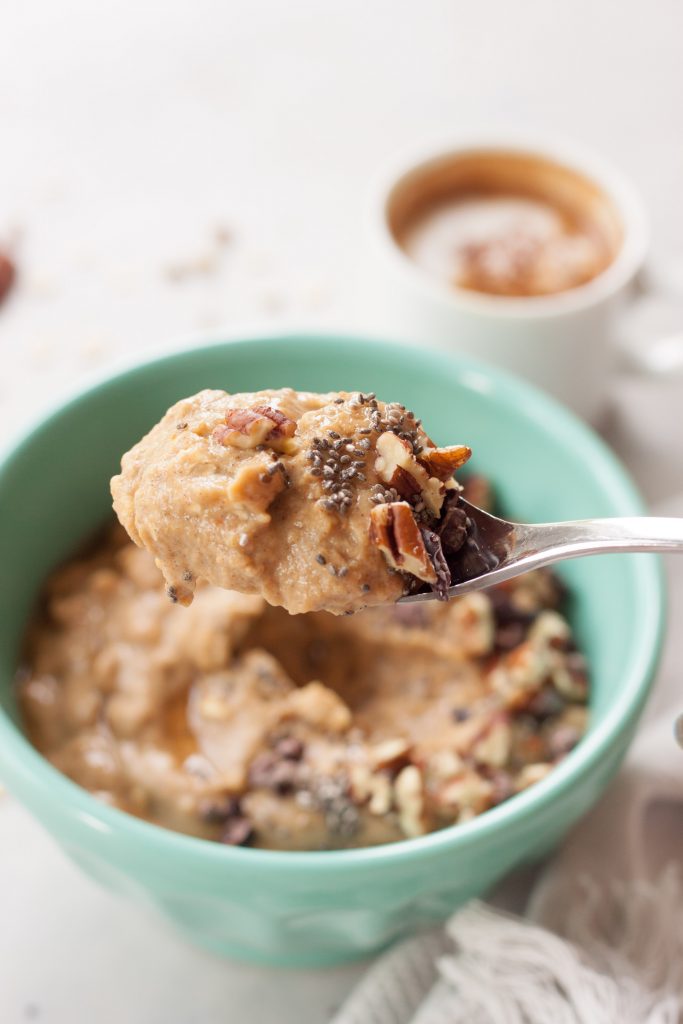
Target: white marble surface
{"x":131,"y":135}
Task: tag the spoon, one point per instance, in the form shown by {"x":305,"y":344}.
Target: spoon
{"x":497,"y":550}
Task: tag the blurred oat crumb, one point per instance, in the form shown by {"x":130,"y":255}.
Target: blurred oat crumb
{"x":271,"y":301}
{"x":41,"y":285}
{"x":94,"y":351}
{"x":206,"y":262}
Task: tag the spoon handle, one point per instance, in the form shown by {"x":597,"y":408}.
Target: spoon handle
{"x":557,"y":541}
{"x":522,"y":547}
{"x":532,"y":546}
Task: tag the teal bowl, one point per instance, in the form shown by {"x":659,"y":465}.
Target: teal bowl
{"x":322,"y":908}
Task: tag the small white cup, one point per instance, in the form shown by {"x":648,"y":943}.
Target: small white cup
{"x":563,"y":342}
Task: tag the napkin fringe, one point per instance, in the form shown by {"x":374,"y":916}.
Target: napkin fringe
{"x":619,"y":960}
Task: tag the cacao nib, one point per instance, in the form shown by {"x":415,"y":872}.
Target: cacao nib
{"x":452,"y":527}
{"x":272,"y":771}
{"x":432,"y":543}
{"x":217,"y":810}
{"x":238,"y":832}
{"x":289,"y":748}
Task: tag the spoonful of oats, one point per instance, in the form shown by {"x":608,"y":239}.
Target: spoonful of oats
{"x":328,"y":502}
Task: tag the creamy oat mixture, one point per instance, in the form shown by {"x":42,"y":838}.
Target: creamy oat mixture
{"x":315,"y":502}
{"x":237,"y":722}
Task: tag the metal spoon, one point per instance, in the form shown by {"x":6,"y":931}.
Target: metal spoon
{"x":497,"y":550}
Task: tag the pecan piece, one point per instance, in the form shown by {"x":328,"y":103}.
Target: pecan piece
{"x":255,"y":487}
{"x":443,"y":462}
{"x":409,"y":796}
{"x":390,"y":755}
{"x":7,"y":274}
{"x":243,"y":428}
{"x":394,"y":530}
{"x":247,"y":428}
{"x":397,"y":467}
{"x":284,"y":427}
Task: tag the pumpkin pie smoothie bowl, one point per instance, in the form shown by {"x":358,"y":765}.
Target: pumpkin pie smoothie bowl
{"x":236,"y":721}
{"x":304,"y":789}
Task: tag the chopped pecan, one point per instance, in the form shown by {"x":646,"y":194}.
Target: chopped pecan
{"x":254,"y":487}
{"x":445,"y":765}
{"x":443,"y":462}
{"x":469,"y":794}
{"x":551,"y":630}
{"x":243,"y":428}
{"x":531,"y":774}
{"x":409,"y":796}
{"x":397,"y":467}
{"x":519,"y":675}
{"x":390,"y":755}
{"x":570,"y":677}
{"x":373,"y":789}
{"x":317,"y":706}
{"x":247,"y":428}
{"x":394,"y":530}
{"x":493,"y":748}
{"x":380,"y":795}
{"x":474,"y":620}
{"x":284,"y":427}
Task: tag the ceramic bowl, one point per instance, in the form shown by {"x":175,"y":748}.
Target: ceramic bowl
{"x":325,"y":907}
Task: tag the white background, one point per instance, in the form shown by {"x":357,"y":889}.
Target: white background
{"x":130,"y":134}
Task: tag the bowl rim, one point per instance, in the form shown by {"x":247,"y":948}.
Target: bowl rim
{"x":24,"y":767}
